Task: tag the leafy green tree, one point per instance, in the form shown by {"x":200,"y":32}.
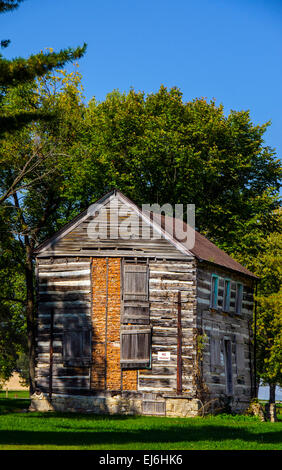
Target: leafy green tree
{"x":158,"y":148}
{"x":22,"y":164}
{"x":22,"y":367}
{"x":12,"y":301}
{"x":269,"y":316}
{"x":33,"y":208}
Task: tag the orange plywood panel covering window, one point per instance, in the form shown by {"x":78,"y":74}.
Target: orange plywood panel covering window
{"x":99,"y":307}
{"x":113,"y":325}
{"x":106,"y":373}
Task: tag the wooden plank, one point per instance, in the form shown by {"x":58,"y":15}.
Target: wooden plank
{"x":54,"y":275}
{"x":64,"y":267}
{"x":65,"y":383}
{"x":149,"y":382}
{"x":60,"y":371}
{"x":135,"y":282}
{"x":64,"y":296}
{"x":84,"y":289}
{"x":153,"y":407}
{"x":48,"y":260}
{"x":114,"y":253}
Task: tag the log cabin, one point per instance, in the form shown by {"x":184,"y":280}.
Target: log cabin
{"x":140,"y":325}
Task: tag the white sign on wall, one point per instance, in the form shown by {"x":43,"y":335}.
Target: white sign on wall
{"x":163,"y":356}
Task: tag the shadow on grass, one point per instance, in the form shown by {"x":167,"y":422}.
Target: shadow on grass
{"x":82,"y":417}
{"x":13,"y":404}
{"x":91,"y":437}
{"x":81,"y":430}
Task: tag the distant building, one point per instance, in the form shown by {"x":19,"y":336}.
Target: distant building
{"x":15,"y":383}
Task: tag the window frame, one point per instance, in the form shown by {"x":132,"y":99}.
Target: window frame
{"x":226,"y":295}
{"x":214,"y":292}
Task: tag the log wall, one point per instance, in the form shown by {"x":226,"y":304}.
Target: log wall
{"x":86,"y":292}
{"x":166,"y":279}
{"x":221,"y":325}
{"x":64,"y":288}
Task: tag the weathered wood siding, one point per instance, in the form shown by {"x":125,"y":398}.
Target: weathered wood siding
{"x":79,"y":241}
{"x":166,"y":279}
{"x":63,"y":286}
{"x":218,"y":326}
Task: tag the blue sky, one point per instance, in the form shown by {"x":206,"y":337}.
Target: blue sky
{"x":230,"y":50}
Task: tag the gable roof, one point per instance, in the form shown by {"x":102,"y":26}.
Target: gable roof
{"x":203,"y":248}
{"x":94,"y":208}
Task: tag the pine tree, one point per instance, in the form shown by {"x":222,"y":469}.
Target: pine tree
{"x":19,"y":71}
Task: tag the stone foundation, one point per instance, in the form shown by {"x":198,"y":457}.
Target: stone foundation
{"x":132,"y":404}
{"x":182,"y":407}
{"x":117,"y":404}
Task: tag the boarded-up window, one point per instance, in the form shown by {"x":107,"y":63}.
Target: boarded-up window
{"x":135,"y":294}
{"x":240,"y":357}
{"x":77,"y":347}
{"x":239,"y":298}
{"x":216,"y":363}
{"x":135,"y":348}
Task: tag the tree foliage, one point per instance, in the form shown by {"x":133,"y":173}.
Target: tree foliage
{"x":269,"y":320}
{"x":159,"y":148}
{"x":33,"y":201}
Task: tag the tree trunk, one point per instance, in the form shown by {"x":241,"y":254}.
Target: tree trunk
{"x":30,"y":305}
{"x":272,"y":390}
{"x":270,"y":407}
{"x":30,"y":308}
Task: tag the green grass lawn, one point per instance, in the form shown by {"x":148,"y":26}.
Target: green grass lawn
{"x":14,"y":394}
{"x":25,"y":430}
